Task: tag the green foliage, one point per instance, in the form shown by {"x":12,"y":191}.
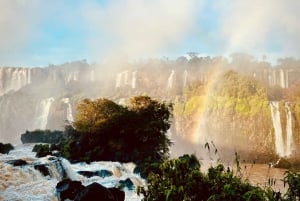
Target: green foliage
{"x":5,"y":148}
{"x":182,"y":179}
{"x":293,"y":181}
{"x":41,"y":150}
{"x":105,"y":130}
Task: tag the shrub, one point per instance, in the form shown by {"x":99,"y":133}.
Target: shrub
{"x":5,"y":148}
{"x":41,"y":150}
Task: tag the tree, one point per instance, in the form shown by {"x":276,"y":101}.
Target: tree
{"x":105,"y":130}
{"x":91,"y":115}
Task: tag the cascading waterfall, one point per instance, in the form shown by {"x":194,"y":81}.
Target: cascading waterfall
{"x":277,"y":128}
{"x":283,"y":147}
{"x":289,"y":131}
{"x":92,"y":76}
{"x":185,"y":75}
{"x":118,"y":80}
{"x":282,"y":80}
{"x":14,"y":79}
{"x":171,"y":80}
{"x":133,"y":80}
{"x":70,"y":117}
{"x":27,"y":183}
{"x":42,"y":112}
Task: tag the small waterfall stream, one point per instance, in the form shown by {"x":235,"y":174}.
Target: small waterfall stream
{"x":289,"y":131}
{"x":171,"y":80}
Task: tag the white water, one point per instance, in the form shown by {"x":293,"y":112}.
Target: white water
{"x":277,"y":128}
{"x":26,"y":183}
{"x":70,"y":117}
{"x":92,"y":76}
{"x":13,"y":79}
{"x":118,"y":80}
{"x":289,"y":131}
{"x":171,"y":80}
{"x":41,"y":113}
{"x":133,"y":80}
{"x":283,"y":147}
{"x":185,"y":75}
{"x":282,"y":80}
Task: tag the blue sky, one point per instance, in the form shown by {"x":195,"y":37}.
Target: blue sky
{"x":40,"y":32}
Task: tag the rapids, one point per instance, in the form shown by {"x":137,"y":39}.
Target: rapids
{"x":26,"y":183}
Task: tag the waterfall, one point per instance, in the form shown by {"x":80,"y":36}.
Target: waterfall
{"x":92,"y":76}
{"x":289,"y":131}
{"x":42,"y":112}
{"x":282,"y":80}
{"x":70,"y":117}
{"x":171,"y":80}
{"x":185,"y":74}
{"x":283,"y":147}
{"x":277,"y":128}
{"x":118,"y":80}
{"x":133,"y":80}
{"x":126,"y":82}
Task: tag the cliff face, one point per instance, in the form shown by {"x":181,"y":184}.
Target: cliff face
{"x":234,"y":111}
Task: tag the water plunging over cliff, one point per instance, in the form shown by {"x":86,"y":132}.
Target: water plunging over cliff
{"x":42,"y":112}
{"x":171,"y":80}
{"x":283,"y":147}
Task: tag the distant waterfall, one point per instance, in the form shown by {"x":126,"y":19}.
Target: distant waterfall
{"x":14,"y":79}
{"x":171,"y":80}
{"x":185,"y":74}
{"x":42,"y":112}
{"x":70,"y":117}
{"x":283,"y":148}
{"x":289,"y":131}
{"x":282,"y":79}
{"x":133,"y":80}
{"x":118,"y":80}
{"x":92,"y":76}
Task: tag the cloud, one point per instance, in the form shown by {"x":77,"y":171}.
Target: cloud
{"x":18,"y":22}
{"x":139,"y":28}
{"x":258,"y":26}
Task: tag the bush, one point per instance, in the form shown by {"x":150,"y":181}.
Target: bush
{"x":181,"y":179}
{"x":41,"y":150}
{"x":5,"y":148}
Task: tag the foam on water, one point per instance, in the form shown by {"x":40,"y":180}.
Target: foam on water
{"x":26,"y":183}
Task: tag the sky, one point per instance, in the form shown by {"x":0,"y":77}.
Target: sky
{"x":42,"y":32}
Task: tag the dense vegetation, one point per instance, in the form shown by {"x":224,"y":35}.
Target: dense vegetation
{"x":41,"y":136}
{"x":5,"y":148}
{"x":41,"y":150}
{"x":182,"y":179}
{"x":105,"y":130}
{"x":236,"y":109}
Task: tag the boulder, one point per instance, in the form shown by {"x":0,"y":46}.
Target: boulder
{"x":104,"y":173}
{"x":282,"y":163}
{"x":41,"y":136}
{"x":42,"y":168}
{"x":67,"y":189}
{"x":101,"y":173}
{"x":17,"y":162}
{"x":96,"y":192}
{"x":127,"y":183}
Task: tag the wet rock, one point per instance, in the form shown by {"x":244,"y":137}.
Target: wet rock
{"x":127,"y":183}
{"x":68,"y":189}
{"x":101,"y":173}
{"x":283,"y":163}
{"x":17,"y":162}
{"x":104,"y":173}
{"x":95,"y":192}
{"x":43,"y":169}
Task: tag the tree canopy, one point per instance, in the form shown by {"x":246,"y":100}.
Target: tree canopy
{"x":105,"y":130}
